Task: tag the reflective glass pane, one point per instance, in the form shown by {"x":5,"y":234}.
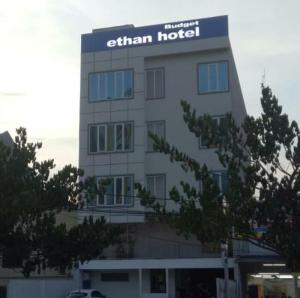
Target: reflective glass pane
{"x":102,"y":85}
{"x":128,"y":136}
{"x":110,"y":137}
{"x":119,"y":190}
{"x":150,"y":185}
{"x":150,"y":83}
{"x":93,"y":87}
{"x":223,"y":76}
{"x":119,"y":138}
{"x":159,"y":185}
{"x":128,"y":83}
{"x":110,"y":192}
{"x":213,"y":77}
{"x":119,"y":84}
{"x":203,"y":78}
{"x":159,"y":83}
{"x":216,"y":177}
{"x":160,"y":131}
{"x":128,"y":199}
{"x":150,"y":128}
{"x":224,"y":178}
{"x":223,"y":124}
{"x":110,"y":85}
{"x":93,"y":139}
{"x":101,"y":138}
{"x":101,"y":195}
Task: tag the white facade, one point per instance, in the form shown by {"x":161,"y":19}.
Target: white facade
{"x":125,"y":92}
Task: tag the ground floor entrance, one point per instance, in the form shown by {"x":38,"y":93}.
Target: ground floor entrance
{"x":267,"y":277}
{"x":157,"y":278}
{"x":198,"y":283}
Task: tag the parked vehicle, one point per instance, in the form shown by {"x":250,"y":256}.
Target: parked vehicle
{"x":90,"y":293}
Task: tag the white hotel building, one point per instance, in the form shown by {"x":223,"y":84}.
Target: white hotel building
{"x":132,"y":81}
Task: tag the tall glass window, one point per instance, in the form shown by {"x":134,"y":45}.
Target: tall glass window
{"x":155,"y":83}
{"x":221,"y":180}
{"x":118,"y":191}
{"x":213,"y":77}
{"x":111,"y":137}
{"x":157,"y":128}
{"x":220,"y":121}
{"x":110,"y":85}
{"x":156,"y":186}
{"x":93,"y":138}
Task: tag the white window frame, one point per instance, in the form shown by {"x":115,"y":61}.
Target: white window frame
{"x":105,"y":125}
{"x":115,"y":204}
{"x":155,"y":126}
{"x":220,"y":174}
{"x":217,"y":63}
{"x":155,"y":95}
{"x":106,"y":74}
{"x":156,"y":176}
{"x":218,"y":118}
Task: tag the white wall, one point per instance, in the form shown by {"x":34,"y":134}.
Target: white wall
{"x":54,"y":288}
{"x":131,"y":288}
{"x":123,"y":289}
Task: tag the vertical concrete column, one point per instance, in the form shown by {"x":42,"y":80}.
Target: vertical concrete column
{"x":237,"y":279}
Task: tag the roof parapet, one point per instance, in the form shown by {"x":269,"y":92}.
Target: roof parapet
{"x":113,"y":28}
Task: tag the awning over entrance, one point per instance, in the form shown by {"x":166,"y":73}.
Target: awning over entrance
{"x":155,"y":264}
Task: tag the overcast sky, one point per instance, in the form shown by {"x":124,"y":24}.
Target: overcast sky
{"x":40,"y":56}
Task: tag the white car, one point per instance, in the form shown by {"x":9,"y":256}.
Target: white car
{"x":91,"y":293}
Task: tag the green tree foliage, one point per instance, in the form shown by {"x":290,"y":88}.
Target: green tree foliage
{"x":30,"y":200}
{"x":262,"y":161}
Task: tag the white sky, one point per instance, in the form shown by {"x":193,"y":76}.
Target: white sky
{"x":40,"y":56}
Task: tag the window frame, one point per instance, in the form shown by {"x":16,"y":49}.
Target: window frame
{"x":163,"y":83}
{"x":218,"y":117}
{"x":220,"y":173}
{"x":115,"y":276}
{"x":213,"y":91}
{"x":115,"y":177}
{"x":147,"y":136}
{"x":164,"y":185}
{"x":107,"y":72}
{"x":115,"y":124}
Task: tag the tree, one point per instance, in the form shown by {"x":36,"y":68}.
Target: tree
{"x":262,"y":161}
{"x":30,"y":199}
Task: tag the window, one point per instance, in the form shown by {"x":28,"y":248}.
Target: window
{"x":155,"y":83}
{"x":213,"y":77}
{"x":118,"y":191}
{"x":156,"y":185}
{"x":120,"y":276}
{"x":157,"y":128}
{"x":218,"y":121}
{"x":110,"y":85}
{"x":220,"y":179}
{"x":111,"y":137}
{"x":158,"y":280}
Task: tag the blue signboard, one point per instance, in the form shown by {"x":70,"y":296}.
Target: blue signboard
{"x":261,"y":229}
{"x":156,"y":34}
